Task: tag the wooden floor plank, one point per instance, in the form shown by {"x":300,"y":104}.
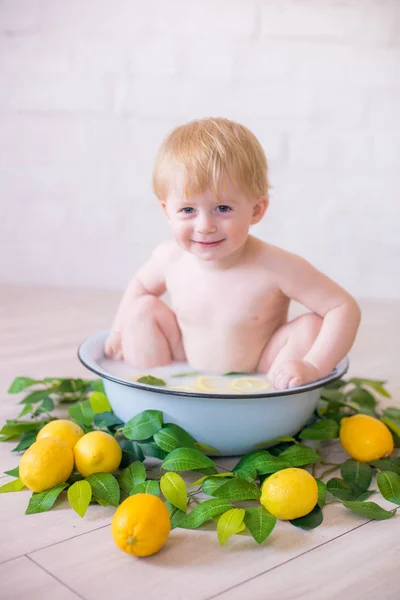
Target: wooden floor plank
{"x":21,"y":578}
{"x":363,"y":564}
{"x":40,"y":329}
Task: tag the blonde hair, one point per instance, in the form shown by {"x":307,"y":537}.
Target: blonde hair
{"x":210,"y":150}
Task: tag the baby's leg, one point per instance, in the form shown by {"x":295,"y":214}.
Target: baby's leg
{"x":151,"y":336}
{"x":291,"y":342}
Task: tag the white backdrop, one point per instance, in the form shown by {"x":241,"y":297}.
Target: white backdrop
{"x":88,"y":90}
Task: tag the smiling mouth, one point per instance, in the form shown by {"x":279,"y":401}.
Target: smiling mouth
{"x":208,"y":244}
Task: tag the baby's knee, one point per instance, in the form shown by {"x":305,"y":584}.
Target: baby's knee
{"x":145,"y":306}
{"x":311,"y":324}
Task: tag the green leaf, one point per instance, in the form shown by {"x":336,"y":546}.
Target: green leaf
{"x":146,"y":487}
{"x":389,"y":486}
{"x":27,"y":439}
{"x":12,"y":428}
{"x":370,"y":510}
{"x":151,"y":449}
{"x":392,"y":412}
{"x":259,"y":522}
{"x":248,"y":473}
{"x":299,"y":455}
{"x":200,"y":481}
{"x":332,"y":397}
{"x":107,"y":419}
{"x":13,"y":472}
{"x":335,"y":385}
{"x":321,"y":492}
{"x":310,"y":521}
{"x":21,"y":383}
{"x":358,"y":473}
{"x":12,"y":486}
{"x":82,"y":413}
{"x":365,"y":495}
{"x":393,"y":426}
{"x":143,"y":425}
{"x":79,"y":496}
{"x":229,"y":523}
{"x":46,"y":406}
{"x":105,"y":487}
{"x":172,"y":436}
{"x":387,"y":464}
{"x":96,"y":385}
{"x":206,"y":448}
{"x":375,"y":384}
{"x":99,"y":402}
{"x":188,"y":374}
{"x":174,"y":489}
{"x":175,"y":514}
{"x":28,"y":408}
{"x":131,"y":476}
{"x":326,"y":429}
{"x":131,"y":451}
{"x":203,"y":512}
{"x":211,"y":484}
{"x":238,"y":489}
{"x":263,"y":462}
{"x":150,"y":380}
{"x":43,"y":501}
{"x":344,"y":490}
{"x":362,"y":397}
{"x":36,"y":396}
{"x":186,"y":459}
{"x":100,"y":501}
{"x":282,"y":438}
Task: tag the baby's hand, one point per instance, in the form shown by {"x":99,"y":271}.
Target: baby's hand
{"x":113,"y":346}
{"x":293,"y":373}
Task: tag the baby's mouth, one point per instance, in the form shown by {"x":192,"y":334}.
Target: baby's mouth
{"x":208,"y":244}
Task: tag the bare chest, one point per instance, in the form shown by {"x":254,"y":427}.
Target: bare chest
{"x":223,"y":299}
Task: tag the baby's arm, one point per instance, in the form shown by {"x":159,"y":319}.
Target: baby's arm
{"x":150,"y":279}
{"x":341,"y":315}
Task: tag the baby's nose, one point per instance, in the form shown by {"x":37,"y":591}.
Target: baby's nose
{"x":205,"y":224}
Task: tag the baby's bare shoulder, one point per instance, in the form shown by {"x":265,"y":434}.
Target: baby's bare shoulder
{"x":275,"y":259}
{"x":167,"y":252}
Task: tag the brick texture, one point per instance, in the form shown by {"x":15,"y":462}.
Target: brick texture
{"x":89,"y":88}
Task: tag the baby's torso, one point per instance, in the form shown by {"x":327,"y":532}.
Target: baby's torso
{"x":226,"y":317}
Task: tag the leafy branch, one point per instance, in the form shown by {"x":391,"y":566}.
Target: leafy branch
{"x":215,"y":495}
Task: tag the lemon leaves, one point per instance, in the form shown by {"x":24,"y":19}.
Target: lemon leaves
{"x":79,"y":496}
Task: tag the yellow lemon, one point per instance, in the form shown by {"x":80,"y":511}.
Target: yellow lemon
{"x":249,"y":384}
{"x":97,"y":452}
{"x":46,"y":463}
{"x":63,"y":429}
{"x":213,"y":384}
{"x":365,"y":438}
{"x":141,"y":525}
{"x":289,"y":494}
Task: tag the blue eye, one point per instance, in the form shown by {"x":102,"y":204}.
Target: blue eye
{"x":187,"y":210}
{"x":223,"y":208}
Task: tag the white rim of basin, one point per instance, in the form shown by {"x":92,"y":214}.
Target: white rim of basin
{"x":85,"y":355}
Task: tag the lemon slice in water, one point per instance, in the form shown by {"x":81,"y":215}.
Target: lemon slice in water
{"x":211,"y":383}
{"x":249,"y":384}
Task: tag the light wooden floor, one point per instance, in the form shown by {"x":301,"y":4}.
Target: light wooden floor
{"x":58,"y":555}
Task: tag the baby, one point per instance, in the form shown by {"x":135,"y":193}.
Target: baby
{"x":229,"y":290}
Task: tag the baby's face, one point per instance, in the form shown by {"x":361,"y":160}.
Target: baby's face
{"x":209,"y":226}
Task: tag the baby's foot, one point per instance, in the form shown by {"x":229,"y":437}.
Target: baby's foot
{"x":294,"y":373}
{"x":113,"y":346}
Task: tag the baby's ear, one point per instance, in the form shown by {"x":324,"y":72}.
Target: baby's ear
{"x":164,"y":207}
{"x":259,"y":209}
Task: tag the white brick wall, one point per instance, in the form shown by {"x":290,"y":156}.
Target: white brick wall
{"x":89,"y":88}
